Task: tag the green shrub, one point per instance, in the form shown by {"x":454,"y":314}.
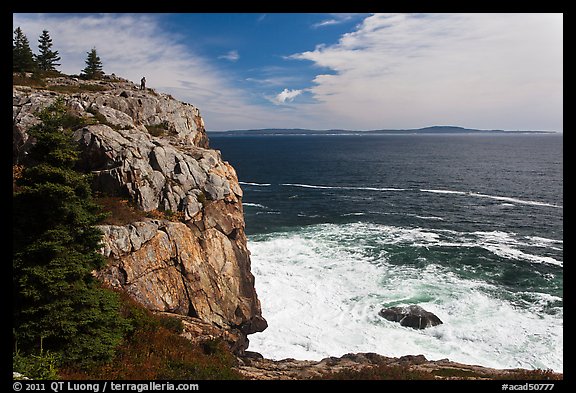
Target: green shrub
{"x":41,"y":366}
{"x":154,"y":349}
{"x":202,"y":198}
{"x":160,"y":129}
{"x":55,"y":250}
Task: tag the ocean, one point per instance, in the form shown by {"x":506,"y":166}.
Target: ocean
{"x":468,"y":226}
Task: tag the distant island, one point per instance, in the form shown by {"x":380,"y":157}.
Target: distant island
{"x":425,"y":130}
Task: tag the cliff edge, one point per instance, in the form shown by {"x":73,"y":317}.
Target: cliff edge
{"x":152,"y":150}
{"x":184,"y":252}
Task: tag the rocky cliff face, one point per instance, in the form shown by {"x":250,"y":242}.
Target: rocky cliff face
{"x":153,"y":150}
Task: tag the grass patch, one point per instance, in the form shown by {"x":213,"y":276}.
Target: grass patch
{"x":119,"y":211}
{"x":38,"y":80}
{"x":202,"y":198}
{"x":456,"y":373}
{"x":74,"y":89}
{"x":395,"y":372}
{"x":155,"y":350}
{"x":28,"y":79}
{"x":538,"y":374}
{"x":169,"y":215}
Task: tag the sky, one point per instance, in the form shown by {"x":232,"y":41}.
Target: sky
{"x":330,"y":71}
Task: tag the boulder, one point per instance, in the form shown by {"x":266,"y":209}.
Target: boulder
{"x":411,"y":316}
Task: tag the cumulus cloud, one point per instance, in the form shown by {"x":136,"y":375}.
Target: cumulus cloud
{"x":391,"y":71}
{"x":231,"y":56}
{"x":287,"y":96}
{"x":132,"y":46}
{"x":480,"y":70}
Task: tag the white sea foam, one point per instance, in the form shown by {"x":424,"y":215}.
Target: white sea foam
{"x":444,"y":191}
{"x":255,"y":184}
{"x":343,"y":187}
{"x":321,"y":294}
{"x":505,"y":245}
{"x":436,"y":218}
{"x":254,"y":205}
{"x":511,"y":200}
{"x":515,"y":200}
{"x":495,"y":197}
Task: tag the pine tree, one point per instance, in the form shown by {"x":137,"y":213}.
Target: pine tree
{"x":57,"y":301}
{"x":47,"y":58}
{"x":93,"y":68}
{"x":22,"y":56}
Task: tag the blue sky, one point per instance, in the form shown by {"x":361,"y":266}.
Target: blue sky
{"x":326,"y":71}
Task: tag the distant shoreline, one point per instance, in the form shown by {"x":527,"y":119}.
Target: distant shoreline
{"x":417,"y":131}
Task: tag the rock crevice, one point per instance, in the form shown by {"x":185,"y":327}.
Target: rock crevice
{"x":153,"y":150}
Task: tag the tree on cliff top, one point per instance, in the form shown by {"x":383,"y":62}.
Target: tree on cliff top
{"x":22,"y":56}
{"x":57,"y":301}
{"x":47,"y":58}
{"x":93,"y":68}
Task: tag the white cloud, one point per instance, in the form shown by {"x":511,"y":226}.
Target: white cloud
{"x":327,"y":22}
{"x":132,"y":46}
{"x":287,"y":96}
{"x":478,"y":70}
{"x":231,"y":56}
{"x":336,"y":19}
{"x":392,"y":71}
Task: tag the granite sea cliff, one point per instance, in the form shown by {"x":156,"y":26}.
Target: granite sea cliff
{"x":153,"y":150}
{"x":186,"y":253}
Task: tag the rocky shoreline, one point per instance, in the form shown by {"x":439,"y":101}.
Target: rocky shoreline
{"x":153,"y":150}
{"x":259,"y":368}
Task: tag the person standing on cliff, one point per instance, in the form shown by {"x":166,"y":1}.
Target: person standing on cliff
{"x":143,"y":83}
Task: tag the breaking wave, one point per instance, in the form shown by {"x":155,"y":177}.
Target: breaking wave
{"x":321,"y":288}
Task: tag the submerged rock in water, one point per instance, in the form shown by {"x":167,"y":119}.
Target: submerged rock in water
{"x":411,"y":316}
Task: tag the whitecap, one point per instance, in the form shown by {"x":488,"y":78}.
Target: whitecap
{"x":435,"y":218}
{"x":506,"y":245}
{"x":321,"y":293}
{"x":255,"y":184}
{"x":321,"y":187}
{"x":495,"y":197}
{"x":444,"y":191}
{"x":515,"y":200}
{"x":254,"y":205}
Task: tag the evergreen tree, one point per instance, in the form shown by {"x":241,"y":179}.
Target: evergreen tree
{"x":47,"y":58}
{"x":93,"y":68}
{"x":22,"y":56}
{"x":57,"y":301}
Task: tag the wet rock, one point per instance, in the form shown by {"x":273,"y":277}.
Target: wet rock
{"x":411,"y":316}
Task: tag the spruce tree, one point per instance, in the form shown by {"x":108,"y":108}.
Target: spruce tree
{"x":22,"y":56}
{"x":93,"y":68}
{"x":47,"y":58}
{"x":57,"y":301}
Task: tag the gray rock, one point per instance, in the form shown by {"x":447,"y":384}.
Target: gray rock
{"x":199,"y":267}
{"x":411,"y":316}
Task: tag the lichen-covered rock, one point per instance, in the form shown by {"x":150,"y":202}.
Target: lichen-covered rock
{"x":154,"y":150}
{"x":171,"y":267}
{"x":118,"y":101}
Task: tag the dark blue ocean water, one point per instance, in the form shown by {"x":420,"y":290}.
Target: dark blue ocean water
{"x":469,"y":227}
